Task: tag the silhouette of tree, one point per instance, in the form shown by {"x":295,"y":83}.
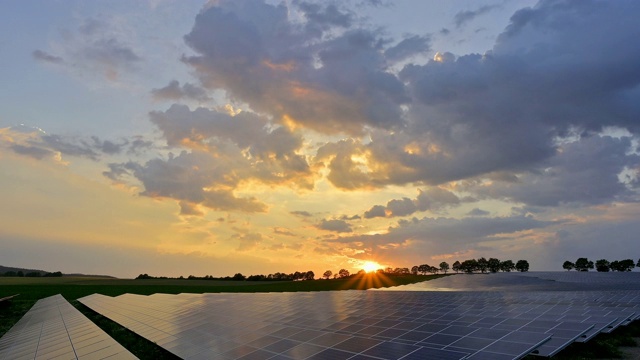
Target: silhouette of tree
{"x":602,"y":265}
{"x":493,"y":264}
{"x":444,"y":266}
{"x":507,"y":266}
{"x":622,"y":265}
{"x":583,"y":264}
{"x":238,"y":277}
{"x":414,"y":270}
{"x":469,"y":266}
{"x":568,"y":265}
{"x":522,"y":265}
{"x":483,"y":264}
{"x":456,"y":266}
{"x":327,"y":274}
{"x":343,"y":273}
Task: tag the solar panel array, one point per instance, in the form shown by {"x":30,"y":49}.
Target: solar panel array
{"x":370,"y":324}
{"x":53,"y":329}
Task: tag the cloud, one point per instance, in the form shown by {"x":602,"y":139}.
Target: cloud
{"x":478,"y":212}
{"x":330,"y":84}
{"x":339,"y":226}
{"x":46,"y":57}
{"x":463,"y":17}
{"x":97,"y":45}
{"x":433,"y":198}
{"x":301,"y":213}
{"x":173,"y":91}
{"x":413,"y":45}
{"x":430,"y":236}
{"x":192,"y":178}
{"x":263,"y":152}
{"x":584,"y":172}
{"x":35,"y":152}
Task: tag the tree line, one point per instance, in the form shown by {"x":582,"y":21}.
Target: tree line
{"x":602,"y":265}
{"x":470,"y":266}
{"x":278,"y":276}
{"x":31,"y":274}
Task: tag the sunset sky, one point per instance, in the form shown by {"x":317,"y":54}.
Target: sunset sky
{"x":185,"y":137}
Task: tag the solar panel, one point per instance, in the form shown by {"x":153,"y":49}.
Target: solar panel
{"x":53,"y":328}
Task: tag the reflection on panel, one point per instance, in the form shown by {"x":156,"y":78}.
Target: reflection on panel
{"x":53,"y":329}
{"x":370,"y":324}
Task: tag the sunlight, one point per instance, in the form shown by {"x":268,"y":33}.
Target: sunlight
{"x":370,"y":266}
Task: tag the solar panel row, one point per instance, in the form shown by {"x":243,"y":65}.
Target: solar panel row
{"x":53,"y":329}
{"x":368,"y":325}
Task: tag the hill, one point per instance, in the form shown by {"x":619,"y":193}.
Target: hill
{"x":5,"y":269}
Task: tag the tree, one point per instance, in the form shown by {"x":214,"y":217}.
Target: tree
{"x":343,"y":273}
{"x":469,"y":266}
{"x":444,"y":266}
{"x":483,"y":264}
{"x":568,"y":265}
{"x":522,"y":265}
{"x":327,"y":274}
{"x":626,"y":265}
{"x":238,"y":277}
{"x":424,"y":269}
{"x":310,"y":275}
{"x":602,"y":265}
{"x":638,"y":264}
{"x":494,"y":265}
{"x":583,"y":264}
{"x":456,"y":266}
{"x":414,"y":270}
{"x":507,"y":266}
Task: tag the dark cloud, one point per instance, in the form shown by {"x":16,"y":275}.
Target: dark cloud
{"x":173,"y":91}
{"x":430,"y":236}
{"x":301,"y":213}
{"x":46,"y":57}
{"x":584,"y":172}
{"x":32,"y":151}
{"x":478,"y":212}
{"x":339,"y":226}
{"x":338,"y":84}
{"x":408,"y":47}
{"x":433,"y":198}
{"x":466,"y":16}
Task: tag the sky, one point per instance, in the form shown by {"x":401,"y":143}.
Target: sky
{"x":255,"y":136}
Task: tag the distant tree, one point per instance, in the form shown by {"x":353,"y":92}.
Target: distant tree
{"x":638,"y":264}
{"x":343,"y":273}
{"x":456,"y":266}
{"x":444,"y":266}
{"x":602,"y":265}
{"x":424,"y":269}
{"x":11,"y":274}
{"x":20,"y":274}
{"x":238,"y":277}
{"x":493,"y":264}
{"x":522,"y":265}
{"x":414,"y":270}
{"x":483,"y":265}
{"x":143,"y":276}
{"x":469,"y":266}
{"x":327,"y":274}
{"x":507,"y":266}
{"x":583,"y":264}
{"x":625,"y":265}
{"x":433,"y":269}
{"x":310,"y":275}
{"x":568,"y":265}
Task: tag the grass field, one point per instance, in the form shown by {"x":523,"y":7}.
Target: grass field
{"x":72,"y":288}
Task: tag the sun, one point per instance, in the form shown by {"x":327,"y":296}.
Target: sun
{"x":370,"y":266}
